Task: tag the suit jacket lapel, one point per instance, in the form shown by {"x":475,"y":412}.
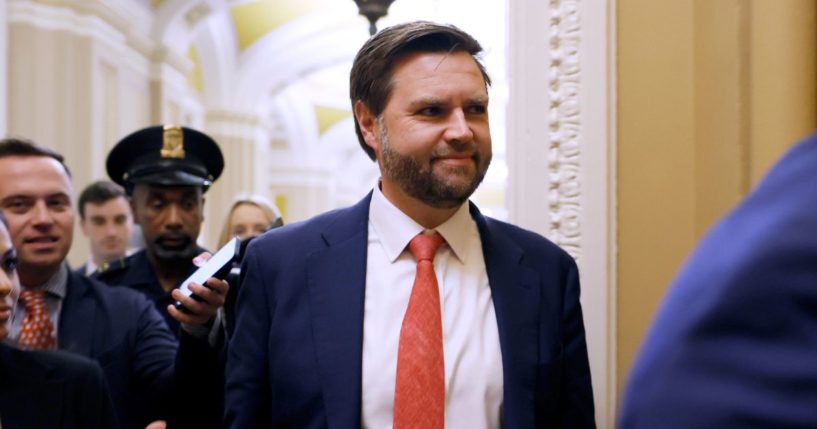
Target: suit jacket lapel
{"x":516,"y":301}
{"x":337,"y":280}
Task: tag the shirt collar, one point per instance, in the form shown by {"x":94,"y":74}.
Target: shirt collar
{"x":90,"y":267}
{"x":395,"y":229}
{"x":58,"y":283}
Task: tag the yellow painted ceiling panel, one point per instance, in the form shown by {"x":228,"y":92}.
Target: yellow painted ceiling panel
{"x":194,"y":78}
{"x":329,"y":116}
{"x":255,"y":19}
{"x":281,"y":201}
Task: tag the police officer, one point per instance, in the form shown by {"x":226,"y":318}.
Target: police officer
{"x":165,"y":171}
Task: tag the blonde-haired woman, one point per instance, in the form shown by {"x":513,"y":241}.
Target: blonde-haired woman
{"x":249,"y":216}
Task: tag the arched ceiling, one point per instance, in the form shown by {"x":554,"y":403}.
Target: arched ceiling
{"x":287,"y":61}
{"x":253,"y":20}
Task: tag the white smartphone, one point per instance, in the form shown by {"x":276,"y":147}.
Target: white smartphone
{"x":217,"y":266}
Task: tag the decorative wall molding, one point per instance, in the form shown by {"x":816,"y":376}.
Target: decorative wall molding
{"x":564,"y":123}
{"x":198,"y":12}
{"x":561,"y":155}
{"x":121,"y":17}
{"x":178,"y":61}
{"x":233,"y":117}
{"x":120,"y":24}
{"x":64,"y":19}
{"x":126,"y":16}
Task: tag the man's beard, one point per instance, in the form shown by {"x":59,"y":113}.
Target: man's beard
{"x":184,"y":252}
{"x":420,"y":182}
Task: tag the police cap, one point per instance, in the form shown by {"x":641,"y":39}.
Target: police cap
{"x":165,"y":155}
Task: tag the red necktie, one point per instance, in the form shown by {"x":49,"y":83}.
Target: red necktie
{"x":37,"y":331}
{"x":419,"y":394}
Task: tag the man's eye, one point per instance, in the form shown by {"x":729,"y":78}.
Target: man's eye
{"x":59,"y":204}
{"x":477,"y":109}
{"x":431,"y":111}
{"x":16,"y":205}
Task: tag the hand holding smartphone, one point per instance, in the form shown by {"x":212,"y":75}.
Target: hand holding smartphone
{"x":217,"y":266}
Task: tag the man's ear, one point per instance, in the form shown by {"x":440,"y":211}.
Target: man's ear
{"x":368,"y":125}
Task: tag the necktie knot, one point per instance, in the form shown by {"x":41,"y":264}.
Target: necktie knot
{"x":424,"y":246}
{"x":32,"y":298}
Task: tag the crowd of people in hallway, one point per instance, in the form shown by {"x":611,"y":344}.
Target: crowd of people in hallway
{"x":409,"y":309}
{"x":248,"y":351}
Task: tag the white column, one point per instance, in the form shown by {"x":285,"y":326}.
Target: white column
{"x":242,"y":139}
{"x":561,"y":154}
{"x":3,"y":68}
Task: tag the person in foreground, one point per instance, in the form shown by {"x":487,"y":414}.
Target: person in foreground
{"x":338,"y":326}
{"x":735,"y":341}
{"x":44,"y":389}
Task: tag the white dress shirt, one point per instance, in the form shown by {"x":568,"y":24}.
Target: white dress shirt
{"x":473,"y":359}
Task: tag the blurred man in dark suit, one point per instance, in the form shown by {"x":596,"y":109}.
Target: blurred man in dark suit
{"x":735,"y":342}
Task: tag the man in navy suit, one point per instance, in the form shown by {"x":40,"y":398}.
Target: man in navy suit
{"x":152,"y":376}
{"x":735,"y":342}
{"x":319,"y":339}
{"x":44,"y":389}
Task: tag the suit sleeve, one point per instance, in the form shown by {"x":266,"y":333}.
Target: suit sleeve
{"x":578,"y":410}
{"x":247,"y":395}
{"x":153,"y":360}
{"x":734,"y":344}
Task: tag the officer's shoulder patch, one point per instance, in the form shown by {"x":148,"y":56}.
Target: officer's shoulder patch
{"x":112,"y":267}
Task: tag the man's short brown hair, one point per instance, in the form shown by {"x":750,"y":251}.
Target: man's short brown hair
{"x":371,"y":78}
{"x":14,"y":146}
{"x":99,"y":192}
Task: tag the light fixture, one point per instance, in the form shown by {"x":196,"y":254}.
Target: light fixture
{"x":373,"y":10}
